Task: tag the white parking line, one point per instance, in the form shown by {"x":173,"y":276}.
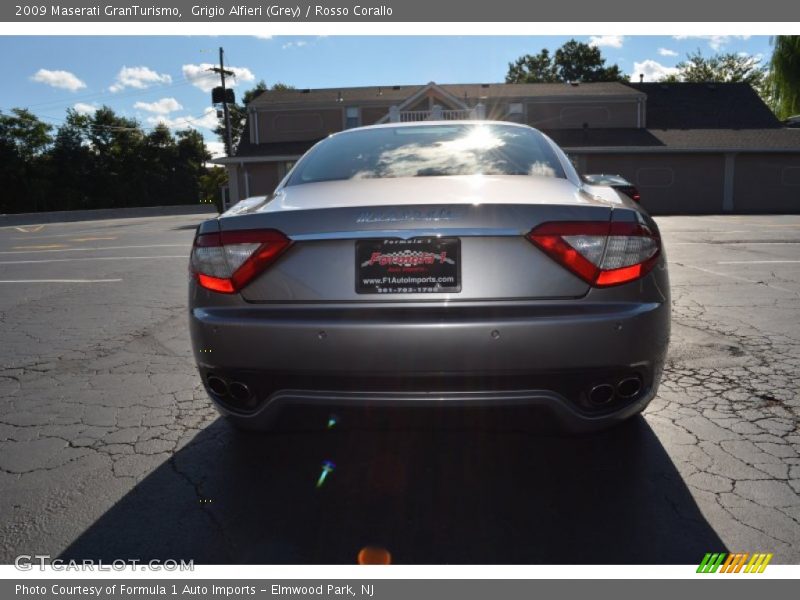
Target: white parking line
{"x":717,"y":242}
{"x":776,"y":287}
{"x":756,"y":262}
{"x":59,"y":280}
{"x":30,"y":262}
{"x":187,"y":246}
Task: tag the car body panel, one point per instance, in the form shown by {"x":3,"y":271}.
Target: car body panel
{"x":521,"y":330}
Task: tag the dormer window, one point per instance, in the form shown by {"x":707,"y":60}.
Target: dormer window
{"x":352,"y":117}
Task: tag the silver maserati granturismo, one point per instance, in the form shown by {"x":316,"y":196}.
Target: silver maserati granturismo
{"x":432,"y":264}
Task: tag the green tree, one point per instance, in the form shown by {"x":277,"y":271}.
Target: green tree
{"x":532,"y":68}
{"x":783,"y":82}
{"x":210,"y":183}
{"x":721,"y":68}
{"x":574,"y":61}
{"x":97,"y":160}
{"x":192,"y":156}
{"x":118,"y":144}
{"x":24,"y":141}
{"x":73,"y":162}
{"x":25,"y":132}
{"x":159,"y":163}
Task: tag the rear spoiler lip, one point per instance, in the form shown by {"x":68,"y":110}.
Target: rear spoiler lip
{"x":410,"y":233}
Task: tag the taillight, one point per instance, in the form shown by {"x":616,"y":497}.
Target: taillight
{"x":227,"y":261}
{"x":602,"y":253}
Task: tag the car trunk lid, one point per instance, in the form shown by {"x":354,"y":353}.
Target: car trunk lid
{"x":486,"y":217}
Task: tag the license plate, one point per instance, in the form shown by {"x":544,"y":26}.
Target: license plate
{"x":415,"y":266}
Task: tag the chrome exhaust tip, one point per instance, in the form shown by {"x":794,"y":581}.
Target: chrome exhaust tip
{"x":629,"y":387}
{"x":601,"y":394}
{"x":217,"y":385}
{"x":239,"y":391}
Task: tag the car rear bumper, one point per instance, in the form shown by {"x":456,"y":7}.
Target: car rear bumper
{"x":547,"y":407}
{"x":544,"y":355}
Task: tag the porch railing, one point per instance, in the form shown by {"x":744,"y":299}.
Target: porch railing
{"x":436,"y":114}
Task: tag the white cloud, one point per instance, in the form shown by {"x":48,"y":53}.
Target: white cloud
{"x":758,"y":57}
{"x":652,"y":70}
{"x":208,"y":120}
{"x":139,"y":78}
{"x":85,"y":109}
{"x":204,"y":79}
{"x":216,"y":149}
{"x":715,"y":42}
{"x":297,"y":44}
{"x":610,"y":41}
{"x":161,"y":107}
{"x":667,"y":52}
{"x":58,"y":79}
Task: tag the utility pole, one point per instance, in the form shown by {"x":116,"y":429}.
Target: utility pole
{"x":222,"y":73}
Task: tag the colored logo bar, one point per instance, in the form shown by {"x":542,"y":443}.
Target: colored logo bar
{"x":743,"y":562}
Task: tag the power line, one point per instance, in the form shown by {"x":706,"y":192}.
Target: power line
{"x":112,"y":95}
{"x":222,"y":73}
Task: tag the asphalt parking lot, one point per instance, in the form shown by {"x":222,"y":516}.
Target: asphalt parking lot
{"x":109,"y":448}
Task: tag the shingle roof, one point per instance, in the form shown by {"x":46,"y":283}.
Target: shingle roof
{"x":612,"y":140}
{"x":625,"y":140}
{"x":245,"y":148}
{"x":532,"y":90}
{"x":473,"y":91}
{"x":705,"y":105}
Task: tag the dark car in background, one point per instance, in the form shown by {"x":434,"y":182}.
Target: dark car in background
{"x":616,"y":182}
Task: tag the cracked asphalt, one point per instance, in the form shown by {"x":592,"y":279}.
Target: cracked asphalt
{"x":109,"y":448}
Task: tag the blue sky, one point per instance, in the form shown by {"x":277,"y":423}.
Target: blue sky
{"x":163,"y":79}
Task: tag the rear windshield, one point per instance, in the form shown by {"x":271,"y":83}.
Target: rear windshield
{"x":429,"y":150}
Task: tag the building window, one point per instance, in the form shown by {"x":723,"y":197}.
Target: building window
{"x":284,"y":168}
{"x":516,"y":112}
{"x":352,"y":117}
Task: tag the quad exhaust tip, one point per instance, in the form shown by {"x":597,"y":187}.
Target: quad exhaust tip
{"x":625,"y":389}
{"x":239,"y":391}
{"x":602,"y":393}
{"x":217,"y":385}
{"x":236,"y":390}
{"x":629,"y":387}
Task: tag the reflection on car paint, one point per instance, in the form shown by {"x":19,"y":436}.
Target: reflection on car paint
{"x":327,"y":467}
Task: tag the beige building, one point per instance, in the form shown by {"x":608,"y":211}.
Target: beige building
{"x":688,"y":147}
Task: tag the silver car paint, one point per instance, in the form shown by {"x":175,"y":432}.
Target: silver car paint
{"x":518,"y":311}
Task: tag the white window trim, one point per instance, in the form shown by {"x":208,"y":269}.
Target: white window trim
{"x":345,"y":117}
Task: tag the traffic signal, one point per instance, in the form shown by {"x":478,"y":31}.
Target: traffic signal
{"x":218,"y":97}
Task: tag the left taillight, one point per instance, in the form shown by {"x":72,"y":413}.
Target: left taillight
{"x":602,"y":253}
{"x":227,"y":261}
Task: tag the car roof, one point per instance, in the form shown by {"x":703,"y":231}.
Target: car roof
{"x":434,"y":123}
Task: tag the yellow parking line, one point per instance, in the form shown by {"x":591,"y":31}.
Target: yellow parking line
{"x":32,"y":229}
{"x":47,"y":247}
{"x":91,"y":239}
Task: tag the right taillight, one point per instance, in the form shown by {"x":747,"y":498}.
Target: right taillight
{"x":227,"y":261}
{"x":602,"y":253}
